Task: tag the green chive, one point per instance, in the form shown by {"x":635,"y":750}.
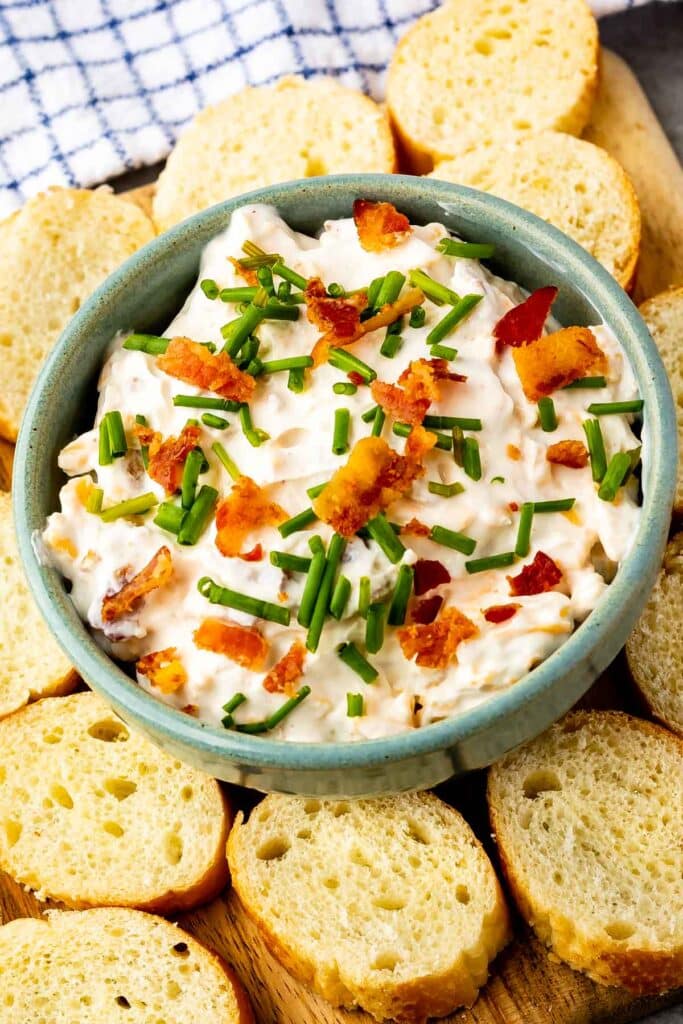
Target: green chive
{"x":313,"y":492}
{"x":443,"y":352}
{"x":282,"y":270}
{"x":198,"y":402}
{"x":340,"y":438}
{"x":390,"y":288}
{"x":312,"y":586}
{"x":369,"y":414}
{"x":264,"y":276}
{"x":391,"y":345}
{"x":492,"y":562}
{"x":497,"y":479}
{"x":458,"y":442}
{"x":401,"y":596}
{"x":435,"y":291}
{"x":209,"y":287}
{"x":344,"y":388}
{"x":191,"y":471}
{"x":547,"y":415}
{"x":240,"y":294}
{"x":232,"y":705}
{"x":254,"y":436}
{"x":254,"y":367}
{"x":284,"y":291}
{"x":290,"y":563}
{"x":291,"y":363}
{"x":94,"y":502}
{"x":217,"y":422}
{"x":334,"y":554}
{"x":558,"y":505}
{"x":198,"y":516}
{"x":280,"y":311}
{"x":248,"y":353}
{"x":619,"y":466}
{"x":144,"y":448}
{"x":374,"y":289}
{"x":104,"y":456}
{"x":297,"y":522}
{"x":340,"y":597}
{"x":586,"y":382}
{"x":364,"y":596}
{"x":451,"y":539}
{"x":354,"y":660}
{"x":130,"y":507}
{"x":117,"y":435}
{"x":443,"y":441}
{"x":343,"y":360}
{"x":596,"y":448}
{"x":445,"y":422}
{"x":634,"y":457}
{"x":453,"y":318}
{"x":610,"y":408}
{"x":374,"y":628}
{"x":336,"y":291}
{"x":228,"y":464}
{"x":216,"y":594}
{"x":296,"y":380}
{"x":151,"y":344}
{"x":445,"y":490}
{"x":274,"y":720}
{"x":378,"y":422}
{"x":524,"y":529}
{"x":382,"y":533}
{"x":470,"y":250}
{"x":169,"y":517}
{"x":241,"y":328}
{"x":418,"y":315}
{"x":355,"y":705}
{"x":471,"y":461}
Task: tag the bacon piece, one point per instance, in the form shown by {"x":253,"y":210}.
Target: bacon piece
{"x":379,"y":225}
{"x":513,"y":452}
{"x":572,"y":454}
{"x":525,"y":322}
{"x":255,"y":555}
{"x":416,"y":528}
{"x":338,"y":318}
{"x":167,"y":458}
{"x":429,"y":573}
{"x":500,"y":612}
{"x":426,"y":611}
{"x":540,"y":576}
{"x":285,"y":674}
{"x":398,"y":404}
{"x":416,"y":389}
{"x":357,"y":379}
{"x":193,"y":363}
{"x":386,"y":315}
{"x":164,"y":669}
{"x":246,"y":273}
{"x":157,"y":573}
{"x":246,"y":508}
{"x":435,"y":643}
{"x":244,"y":644}
{"x":191,"y":709}
{"x":555,"y":360}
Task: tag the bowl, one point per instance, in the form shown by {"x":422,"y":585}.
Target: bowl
{"x":146,"y":292}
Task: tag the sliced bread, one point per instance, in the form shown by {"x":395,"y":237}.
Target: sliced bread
{"x":471,"y":72}
{"x":93,"y":814}
{"x":53,"y":253}
{"x":663,"y":315}
{"x":387,"y":904}
{"x":573,"y":184}
{"x":654,"y":649}
{"x":31,"y":663}
{"x":589,"y":821}
{"x":293,"y":129}
{"x":106,"y":965}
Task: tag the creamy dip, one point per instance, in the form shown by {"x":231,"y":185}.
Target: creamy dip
{"x":587,"y":542}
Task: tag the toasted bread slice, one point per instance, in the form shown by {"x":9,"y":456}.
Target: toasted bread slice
{"x":470,"y":72}
{"x":31,"y":663}
{"x":293,"y":129}
{"x":388,"y":904}
{"x":654,"y":649}
{"x":111,"y":964}
{"x":93,"y":814}
{"x":588,"y":820}
{"x":576,"y":186}
{"x":53,"y":253}
{"x":663,"y":315}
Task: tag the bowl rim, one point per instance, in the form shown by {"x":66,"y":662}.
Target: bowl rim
{"x":587,"y":276}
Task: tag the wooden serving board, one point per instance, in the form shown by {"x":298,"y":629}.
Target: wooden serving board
{"x":526,"y":986}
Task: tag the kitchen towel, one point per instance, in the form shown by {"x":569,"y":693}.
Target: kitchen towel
{"x":92,"y":88}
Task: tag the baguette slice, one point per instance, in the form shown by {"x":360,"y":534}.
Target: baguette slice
{"x":107,"y":965}
{"x":387,"y":904}
{"x":470,"y":73}
{"x":93,"y":814}
{"x":573,"y":184}
{"x":293,"y":129}
{"x":663,"y":315}
{"x":53,"y":253}
{"x":589,"y":821}
{"x":654,"y":649}
{"x":31,"y":663}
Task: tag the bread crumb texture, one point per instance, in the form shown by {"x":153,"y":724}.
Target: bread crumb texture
{"x":267,"y":134}
{"x":388,"y":904}
{"x":106,"y":965}
{"x":92,"y":813}
{"x":589,"y":822}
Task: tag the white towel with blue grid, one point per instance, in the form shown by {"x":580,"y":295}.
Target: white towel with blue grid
{"x":92,"y":88}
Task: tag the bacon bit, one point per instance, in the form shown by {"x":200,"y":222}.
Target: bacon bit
{"x":164,"y":669}
{"x":157,"y":572}
{"x":396,"y":402}
{"x":255,"y":555}
{"x":426,"y":611}
{"x":244,"y":644}
{"x":513,"y":506}
{"x":84,"y":489}
{"x":167,"y":458}
{"x":435,"y":643}
{"x":356,"y":378}
{"x":193,"y":363}
{"x":417,"y":388}
{"x":525,"y":322}
{"x":246,"y":508}
{"x":373,"y":477}
{"x":500,"y":612}
{"x":513,"y":452}
{"x":387,"y":315}
{"x":64,"y":544}
{"x":285,"y":674}
{"x":540,"y":576}
{"x":246,"y":273}
{"x":338,"y":318}
{"x":555,"y":360}
{"x":572,"y":454}
{"x":191,"y":709}
{"x":429,"y":573}
{"x":379,"y":225}
{"x":414,"y":527}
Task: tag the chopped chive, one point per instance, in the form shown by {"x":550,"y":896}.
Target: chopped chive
{"x":340,"y":438}
{"x":378,"y":422}
{"x":312,"y":585}
{"x":280,"y":311}
{"x":445,"y":422}
{"x":610,"y":408}
{"x":336,"y":291}
{"x":458,"y":442}
{"x":451,"y":539}
{"x":401,"y":596}
{"x":344,"y":388}
{"x":343,"y":360}
{"x":619,"y":466}
{"x":340,"y":597}
{"x":443,"y":441}
{"x":104,"y":456}
{"x":315,"y":544}
{"x":209,"y":287}
{"x":497,"y":479}
{"x":313,"y":492}
{"x":443,"y":352}
{"x":117,"y":435}
{"x":374,"y":289}
{"x":169,"y":517}
{"x":232,"y":705}
{"x":264,"y":276}
{"x":240,"y":294}
{"x":382,"y":533}
{"x":290,"y":563}
{"x":334,"y":554}
{"x":445,"y":490}
{"x":198,"y":402}
{"x":274,"y":720}
{"x":291,"y":363}
{"x":296,"y":380}
{"x":492,"y":562}
{"x":355,"y":705}
{"x":216,"y":594}
{"x":586,"y":382}
{"x":217,"y":422}
{"x":94,"y":502}
{"x":435,"y":291}
{"x":248,"y":352}
{"x":557,"y":505}
{"x":391,"y":345}
{"x":282,"y":270}
{"x":470,"y":250}
{"x":524,"y":529}
{"x":254,"y":367}
{"x":451,"y":320}
{"x":297,"y":522}
{"x":284,"y":291}
{"x":198,"y":516}
{"x":130,"y":507}
{"x":634,"y":457}
{"x":354,"y":660}
{"x":418,"y":315}
{"x":471,"y":461}
{"x":254,"y":436}
{"x":144,"y":448}
{"x":364,"y":596}
{"x":191,"y":471}
{"x":369,"y":414}
{"x":260,"y":298}
{"x":596,"y":448}
{"x":227,"y":463}
{"x":151,"y":344}
{"x":390,"y":288}
{"x":374,"y":628}
{"x":241,"y":329}
{"x":547,"y":415}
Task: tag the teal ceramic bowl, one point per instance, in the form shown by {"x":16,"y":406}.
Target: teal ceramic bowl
{"x":146,"y":292}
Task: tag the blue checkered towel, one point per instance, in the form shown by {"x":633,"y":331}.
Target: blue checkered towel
{"x":92,"y":88}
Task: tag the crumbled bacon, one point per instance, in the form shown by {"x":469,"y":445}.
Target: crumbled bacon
{"x":246,"y":273}
{"x":513,"y":452}
{"x":513,"y":506}
{"x":435,"y":643}
{"x":339,"y":319}
{"x":497,"y":613}
{"x":191,"y":709}
{"x":356,"y":378}
{"x":379,"y":225}
{"x":285,"y":674}
{"x":386,"y":315}
{"x":555,"y":360}
{"x":416,"y":528}
{"x":246,"y":508}
{"x":426,"y":611}
{"x":416,"y":389}
{"x":429,"y":573}
{"x":164,"y":669}
{"x":167,"y":458}
{"x":155,"y":574}
{"x":536,"y":578}
{"x":572,"y":454}
{"x":193,"y":363}
{"x":397,"y":403}
{"x":244,"y":644}
{"x":525,"y":322}
{"x":255,"y":555}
